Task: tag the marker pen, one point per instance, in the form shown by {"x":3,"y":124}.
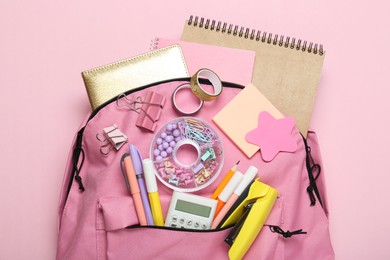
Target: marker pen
{"x":151,"y":186}
{"x":249,"y":175}
{"x":224,"y":181}
{"x":139,"y":173}
{"x":228,"y":190}
{"x":134,"y":189}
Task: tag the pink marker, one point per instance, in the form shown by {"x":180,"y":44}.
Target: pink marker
{"x":246,"y":180}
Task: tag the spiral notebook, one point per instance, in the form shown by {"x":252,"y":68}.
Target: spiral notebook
{"x":287,"y":71}
{"x":238,"y":70}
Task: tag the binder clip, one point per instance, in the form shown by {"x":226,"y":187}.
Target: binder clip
{"x":149,"y":109}
{"x":112,"y":137}
{"x":248,"y":216}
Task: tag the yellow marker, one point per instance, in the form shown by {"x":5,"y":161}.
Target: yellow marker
{"x":154,"y":198}
{"x":225,"y":181}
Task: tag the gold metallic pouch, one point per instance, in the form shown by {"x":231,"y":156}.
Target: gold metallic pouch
{"x":108,"y":81}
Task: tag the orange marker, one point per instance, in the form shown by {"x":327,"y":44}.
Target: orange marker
{"x":134,"y":189}
{"x":228,"y":191}
{"x":225,"y":181}
{"x":249,"y":175}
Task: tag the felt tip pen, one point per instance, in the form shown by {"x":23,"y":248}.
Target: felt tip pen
{"x":249,"y":175}
{"x":139,"y":173}
{"x":228,"y":190}
{"x":134,"y":189}
{"x":224,"y":181}
{"x":151,"y":186}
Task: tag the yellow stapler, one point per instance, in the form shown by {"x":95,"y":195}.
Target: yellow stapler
{"x":249,"y":217}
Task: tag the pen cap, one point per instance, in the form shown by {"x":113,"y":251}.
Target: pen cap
{"x":150,"y":177}
{"x":246,"y":180}
{"x":231,"y":186}
{"x":136,"y":158}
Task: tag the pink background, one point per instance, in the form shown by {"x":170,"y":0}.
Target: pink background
{"x":45,"y":45}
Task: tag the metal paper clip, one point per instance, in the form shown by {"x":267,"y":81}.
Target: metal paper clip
{"x":149,"y":110}
{"x":112,"y":137}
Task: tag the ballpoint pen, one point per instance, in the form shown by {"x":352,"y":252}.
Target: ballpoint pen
{"x":139,"y":173}
{"x":132,"y":185}
{"x":151,"y":186}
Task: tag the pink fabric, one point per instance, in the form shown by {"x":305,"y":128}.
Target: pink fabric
{"x":93,"y":223}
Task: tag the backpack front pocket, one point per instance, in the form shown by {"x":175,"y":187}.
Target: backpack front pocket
{"x":120,"y":237}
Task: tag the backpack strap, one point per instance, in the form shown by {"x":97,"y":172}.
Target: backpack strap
{"x":313,"y":170}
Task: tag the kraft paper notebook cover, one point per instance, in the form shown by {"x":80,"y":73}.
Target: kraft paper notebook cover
{"x":238,"y":70}
{"x":106,"y":82}
{"x":287,"y":70}
{"x":240,"y":116}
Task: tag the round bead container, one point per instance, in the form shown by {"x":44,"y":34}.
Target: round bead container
{"x":206,"y":154}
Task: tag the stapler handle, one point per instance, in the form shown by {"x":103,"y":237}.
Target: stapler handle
{"x":252,"y":225}
{"x":237,"y":227}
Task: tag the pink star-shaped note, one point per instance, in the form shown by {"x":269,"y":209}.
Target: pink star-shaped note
{"x":272,"y":136}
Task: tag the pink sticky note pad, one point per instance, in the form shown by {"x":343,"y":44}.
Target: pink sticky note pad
{"x":272,"y":135}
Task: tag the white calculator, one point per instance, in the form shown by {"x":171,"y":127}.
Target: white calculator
{"x":190,"y":211}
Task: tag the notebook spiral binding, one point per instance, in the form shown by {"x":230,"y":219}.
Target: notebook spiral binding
{"x":153,"y":44}
{"x":264,"y":37}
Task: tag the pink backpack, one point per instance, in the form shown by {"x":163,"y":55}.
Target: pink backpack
{"x":97,"y":219}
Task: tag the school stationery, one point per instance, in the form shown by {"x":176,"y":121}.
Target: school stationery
{"x":238,"y":69}
{"x":249,"y":175}
{"x":139,"y":173}
{"x":224,"y":181}
{"x":177,"y":150}
{"x":151,"y":186}
{"x":199,"y":91}
{"x":228,"y":190}
{"x":108,"y":81}
{"x":185,"y":111}
{"x":287,"y":70}
{"x":190,"y":211}
{"x":149,"y":108}
{"x":111,"y":137}
{"x":255,"y":208}
{"x":240,"y":116}
{"x":272,"y":136}
{"x":133,"y":187}
{"x":152,"y":107}
{"x":97,"y":218}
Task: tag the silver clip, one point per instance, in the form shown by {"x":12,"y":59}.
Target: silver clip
{"x":132,"y":104}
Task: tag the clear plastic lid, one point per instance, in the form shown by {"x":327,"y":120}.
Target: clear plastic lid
{"x":187,"y":154}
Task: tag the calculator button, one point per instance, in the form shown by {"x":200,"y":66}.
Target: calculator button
{"x":196,"y":224}
{"x":204,"y":226}
{"x":189,"y":222}
{"x":173,"y":225}
{"x":174,"y":218}
{"x":182,"y":220}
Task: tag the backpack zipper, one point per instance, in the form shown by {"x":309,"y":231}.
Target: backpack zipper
{"x":78,"y":149}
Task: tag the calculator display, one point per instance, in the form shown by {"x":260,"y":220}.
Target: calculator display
{"x":193,"y":208}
